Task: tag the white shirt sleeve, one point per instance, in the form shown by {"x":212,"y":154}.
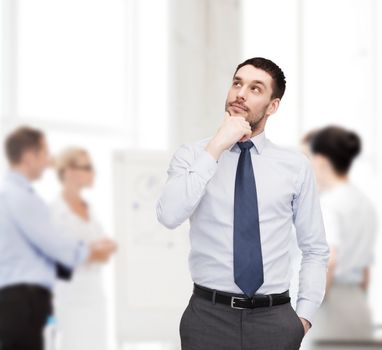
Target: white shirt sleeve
{"x":312,"y":242}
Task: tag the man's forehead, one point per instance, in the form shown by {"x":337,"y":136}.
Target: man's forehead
{"x":251,"y":73}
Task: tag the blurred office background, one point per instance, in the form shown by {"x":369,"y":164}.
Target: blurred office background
{"x":131,"y":80}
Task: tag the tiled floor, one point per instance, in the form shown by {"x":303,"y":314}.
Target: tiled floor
{"x":150,"y":346}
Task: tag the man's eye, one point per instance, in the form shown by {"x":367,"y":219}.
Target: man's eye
{"x":256,"y":89}
{"x":236,"y":83}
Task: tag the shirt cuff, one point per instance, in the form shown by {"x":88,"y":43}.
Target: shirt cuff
{"x":82,"y":254}
{"x":205,"y":166}
{"x":306,"y":309}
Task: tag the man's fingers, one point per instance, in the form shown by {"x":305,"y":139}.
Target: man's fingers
{"x":246,"y":125}
{"x":238,"y":119}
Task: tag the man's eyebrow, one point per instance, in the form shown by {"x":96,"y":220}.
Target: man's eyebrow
{"x":237,"y":78}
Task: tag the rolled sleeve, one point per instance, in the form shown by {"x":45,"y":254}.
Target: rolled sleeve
{"x":205,"y":166}
{"x":306,"y":309}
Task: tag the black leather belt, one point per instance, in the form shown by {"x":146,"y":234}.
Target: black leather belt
{"x":20,"y":290}
{"x":237,"y":301}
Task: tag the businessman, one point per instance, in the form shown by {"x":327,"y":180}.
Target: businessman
{"x":245,"y":197}
{"x":32,"y":249}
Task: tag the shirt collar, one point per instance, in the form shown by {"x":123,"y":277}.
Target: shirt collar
{"x":258,"y":142}
{"x":20,"y":179}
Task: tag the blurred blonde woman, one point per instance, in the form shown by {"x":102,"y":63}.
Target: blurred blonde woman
{"x":80,"y":304}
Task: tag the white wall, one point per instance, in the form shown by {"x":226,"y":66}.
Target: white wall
{"x":204,"y":52}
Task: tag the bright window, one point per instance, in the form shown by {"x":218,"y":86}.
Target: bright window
{"x":71,"y":61}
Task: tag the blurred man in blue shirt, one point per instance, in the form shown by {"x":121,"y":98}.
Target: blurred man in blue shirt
{"x":31,"y":247}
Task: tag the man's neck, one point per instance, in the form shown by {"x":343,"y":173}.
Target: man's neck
{"x":72,"y":194}
{"x":22,"y":171}
{"x":335,"y":181}
{"x":257,"y":132}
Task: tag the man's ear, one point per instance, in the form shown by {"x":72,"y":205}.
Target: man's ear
{"x":27,"y":157}
{"x":273,"y":106}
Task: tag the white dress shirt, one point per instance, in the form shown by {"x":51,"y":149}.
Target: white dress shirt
{"x":202,"y":190}
{"x":351,"y":224}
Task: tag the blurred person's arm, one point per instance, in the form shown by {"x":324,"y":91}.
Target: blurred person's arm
{"x":331,"y":268}
{"x":370,"y":250}
{"x":312,"y":242}
{"x":332,"y":229}
{"x":34,"y":220}
{"x":101,"y":250}
{"x":366,"y":279}
{"x":192,"y":168}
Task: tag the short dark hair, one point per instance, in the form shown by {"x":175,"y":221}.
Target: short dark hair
{"x":339,"y":145}
{"x":278,"y":77}
{"x":20,"y":140}
{"x":309,"y":136}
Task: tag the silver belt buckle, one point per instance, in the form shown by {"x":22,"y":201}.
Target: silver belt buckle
{"x":233,"y":299}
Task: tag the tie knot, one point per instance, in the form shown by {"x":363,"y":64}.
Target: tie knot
{"x":245,"y":145}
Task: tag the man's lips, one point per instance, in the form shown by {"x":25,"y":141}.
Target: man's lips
{"x":239,"y":106}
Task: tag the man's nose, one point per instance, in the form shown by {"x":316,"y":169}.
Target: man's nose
{"x":242,"y":94}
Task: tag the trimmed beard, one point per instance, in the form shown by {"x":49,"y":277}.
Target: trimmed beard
{"x":254,"y":124}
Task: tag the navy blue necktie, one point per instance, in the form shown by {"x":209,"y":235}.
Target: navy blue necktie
{"x":248,"y":260}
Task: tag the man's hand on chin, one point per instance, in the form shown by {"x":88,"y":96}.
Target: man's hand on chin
{"x":231,"y":131}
